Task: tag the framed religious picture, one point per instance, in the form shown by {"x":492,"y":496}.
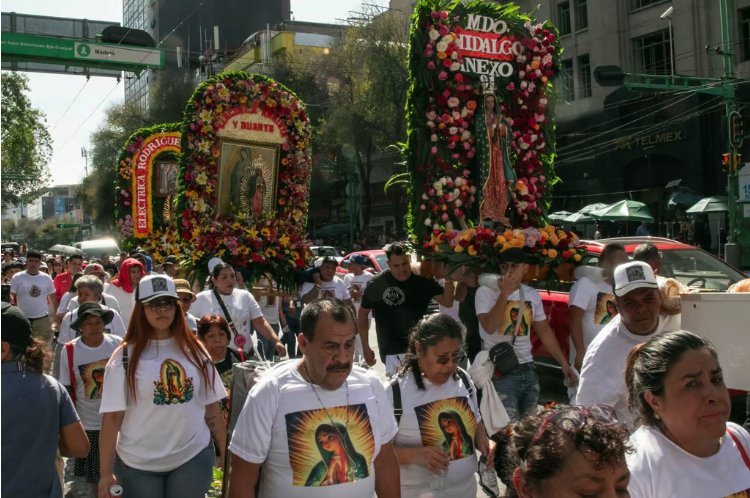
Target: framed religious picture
{"x":248,"y":178}
{"x":166,"y":173}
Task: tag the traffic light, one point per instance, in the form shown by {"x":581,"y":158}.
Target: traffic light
{"x":736,"y":129}
{"x":726,"y":159}
{"x":731,"y":162}
{"x":737,"y":162}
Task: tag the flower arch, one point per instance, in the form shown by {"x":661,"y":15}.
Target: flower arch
{"x":143,"y":218}
{"x":459,"y":53}
{"x":273,"y":243}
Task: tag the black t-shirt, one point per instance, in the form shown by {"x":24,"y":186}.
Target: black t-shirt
{"x":230,"y":359}
{"x":396,"y":307}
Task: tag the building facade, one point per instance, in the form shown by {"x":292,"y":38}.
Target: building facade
{"x":185,"y":29}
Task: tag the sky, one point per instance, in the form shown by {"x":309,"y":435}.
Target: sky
{"x":75,"y":108}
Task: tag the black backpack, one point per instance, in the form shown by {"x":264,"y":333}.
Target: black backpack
{"x":398,"y":409}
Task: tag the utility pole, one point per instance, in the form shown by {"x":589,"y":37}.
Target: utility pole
{"x":723,"y":87}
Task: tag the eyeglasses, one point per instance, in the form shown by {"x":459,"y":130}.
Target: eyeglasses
{"x":162,"y":304}
{"x":444,"y":360}
{"x":572,"y":418}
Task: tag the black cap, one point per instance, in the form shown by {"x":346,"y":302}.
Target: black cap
{"x":329,"y":259}
{"x":16,"y":328}
{"x":91,"y":308}
{"x":170,"y":260}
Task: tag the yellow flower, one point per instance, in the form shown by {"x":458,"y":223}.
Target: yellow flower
{"x":500,"y":240}
{"x":200,"y":205}
{"x":265,"y":232}
{"x":205,"y":115}
{"x":253,"y":233}
{"x":283,"y":241}
{"x":472,"y":251}
{"x":201,"y":178}
{"x":236,"y":226}
{"x":552,"y":253}
{"x":270,"y":253}
{"x":577,"y":257}
{"x":459,"y":249}
{"x":223,"y":92}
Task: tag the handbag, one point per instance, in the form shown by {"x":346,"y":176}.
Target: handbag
{"x":239,"y":340}
{"x":503,"y":355}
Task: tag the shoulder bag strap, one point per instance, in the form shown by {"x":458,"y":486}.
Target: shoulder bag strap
{"x":740,"y":448}
{"x":521,"y":311}
{"x":71,"y":373}
{"x":226,"y":312}
{"x":125,"y":367}
{"x":397,"y":408}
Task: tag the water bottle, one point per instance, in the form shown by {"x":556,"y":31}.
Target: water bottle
{"x":438,"y":481}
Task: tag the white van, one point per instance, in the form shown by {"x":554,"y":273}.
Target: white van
{"x":95,"y":248}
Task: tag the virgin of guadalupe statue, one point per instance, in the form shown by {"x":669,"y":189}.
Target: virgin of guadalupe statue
{"x":253,"y":189}
{"x":497,"y":175}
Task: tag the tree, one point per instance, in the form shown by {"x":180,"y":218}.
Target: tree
{"x":97,"y":190}
{"x":367,"y":78}
{"x":26,"y":142}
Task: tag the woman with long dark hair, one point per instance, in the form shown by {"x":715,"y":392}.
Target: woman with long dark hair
{"x":439,"y":425}
{"x":160,"y":404}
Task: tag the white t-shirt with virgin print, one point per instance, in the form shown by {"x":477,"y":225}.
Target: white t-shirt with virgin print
{"x":313,"y":442}
{"x":88,"y":372}
{"x":444,"y":416}
{"x":533,"y":311}
{"x":164,"y":425}
{"x":597,"y":301}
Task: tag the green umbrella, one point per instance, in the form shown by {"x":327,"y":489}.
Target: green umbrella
{"x":592,"y":207}
{"x":624,"y":210}
{"x":558,"y":215}
{"x":716,"y":204}
{"x":578,"y":217}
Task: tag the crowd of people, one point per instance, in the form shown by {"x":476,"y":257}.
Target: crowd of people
{"x":125,"y":371}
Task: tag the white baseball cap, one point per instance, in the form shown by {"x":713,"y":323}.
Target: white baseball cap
{"x":212,"y":263}
{"x":634,"y":275}
{"x":153,"y":286}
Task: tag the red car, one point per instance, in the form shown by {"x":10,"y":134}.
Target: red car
{"x":690,"y":265}
{"x":376,"y":261}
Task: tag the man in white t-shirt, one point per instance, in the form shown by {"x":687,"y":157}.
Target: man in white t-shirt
{"x":507,"y":315}
{"x":592,"y":304}
{"x":34,"y":293}
{"x":330,"y":284}
{"x":318,"y":427}
{"x":356,"y":282}
{"x":603,"y":374}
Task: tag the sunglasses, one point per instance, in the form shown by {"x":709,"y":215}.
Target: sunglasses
{"x":161,"y":304}
{"x":186,"y":299}
{"x":572,"y":418}
{"x":444,"y":360}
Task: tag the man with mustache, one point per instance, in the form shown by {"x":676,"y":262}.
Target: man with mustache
{"x":276,"y":428}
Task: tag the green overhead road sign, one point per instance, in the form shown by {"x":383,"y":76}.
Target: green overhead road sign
{"x":25,"y":47}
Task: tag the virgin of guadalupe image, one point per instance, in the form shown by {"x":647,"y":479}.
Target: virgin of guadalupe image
{"x":611,"y":311}
{"x":458,"y":442}
{"x":340,"y":461}
{"x":497,"y":175}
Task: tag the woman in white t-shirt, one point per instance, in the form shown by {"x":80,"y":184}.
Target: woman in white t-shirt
{"x":160,"y":406}
{"x":242,"y":308}
{"x":686,"y":446}
{"x":440,"y":427}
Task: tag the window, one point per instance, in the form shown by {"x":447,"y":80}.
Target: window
{"x":582,"y":15}
{"x":744,"y":17}
{"x":563,"y":18}
{"x":637,"y":4}
{"x":652,"y":53}
{"x":584,"y":76}
{"x":567,"y":87}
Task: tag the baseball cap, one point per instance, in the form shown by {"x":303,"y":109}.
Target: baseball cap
{"x":93,"y":269}
{"x":170,"y":260}
{"x":16,"y":328}
{"x":182,"y":286}
{"x":153,"y":286}
{"x":357,"y":259}
{"x":212,"y":264}
{"x":633,"y":275}
{"x":91,"y":308}
{"x":514,"y":255}
{"x":329,"y":259}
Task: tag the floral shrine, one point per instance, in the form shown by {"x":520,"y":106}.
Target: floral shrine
{"x":480,"y":139}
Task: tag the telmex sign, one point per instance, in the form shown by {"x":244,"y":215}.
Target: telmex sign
{"x":667,"y":137}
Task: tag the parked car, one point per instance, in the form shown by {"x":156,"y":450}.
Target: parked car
{"x":321,"y":252}
{"x":690,"y":265}
{"x":376,"y":261}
